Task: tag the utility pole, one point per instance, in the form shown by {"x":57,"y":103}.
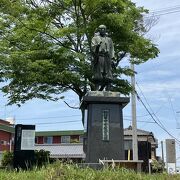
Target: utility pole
{"x":134,"y":122}
{"x":162,"y":149}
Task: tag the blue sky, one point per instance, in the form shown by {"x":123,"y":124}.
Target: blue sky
{"x":158,"y":79}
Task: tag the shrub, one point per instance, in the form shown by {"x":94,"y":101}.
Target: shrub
{"x":7,"y":159}
{"x":157,"y":166}
{"x":42,"y":157}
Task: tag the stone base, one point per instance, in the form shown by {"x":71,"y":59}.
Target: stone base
{"x":103,"y":97}
{"x":103,"y":93}
{"x":104,"y":139}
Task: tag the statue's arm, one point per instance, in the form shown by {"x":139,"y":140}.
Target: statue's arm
{"x":93,"y":44}
{"x":95,"y":49}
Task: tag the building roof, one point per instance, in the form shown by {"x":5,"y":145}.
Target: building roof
{"x":59,"y":133}
{"x":74,"y":150}
{"x":7,"y":128}
{"x":63,"y":150}
{"x":4,"y":122}
{"x":127,"y":132}
{"x":140,"y":132}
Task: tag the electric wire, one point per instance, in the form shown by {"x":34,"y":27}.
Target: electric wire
{"x":172,"y":107}
{"x":157,"y":122}
{"x":149,"y":105}
{"x":164,"y":11}
{"x":60,"y":117}
{"x":50,"y":117}
{"x":79,"y":121}
{"x":157,"y":15}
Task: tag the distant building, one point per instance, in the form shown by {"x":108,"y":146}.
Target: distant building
{"x":6,"y":136}
{"x":61,"y":144}
{"x":147,"y":145}
{"x":69,"y":144}
{"x":145,"y":137}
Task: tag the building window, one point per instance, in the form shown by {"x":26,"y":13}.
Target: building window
{"x":74,"y":139}
{"x":65,"y":139}
{"x":36,"y":140}
{"x":12,"y":141}
{"x":81,"y":139}
{"x":3,"y":142}
{"x":48,"y":140}
{"x":128,"y":144}
{"x":56,"y":139}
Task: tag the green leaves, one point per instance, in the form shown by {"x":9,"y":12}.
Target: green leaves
{"x":144,"y":49}
{"x":45,"y":46}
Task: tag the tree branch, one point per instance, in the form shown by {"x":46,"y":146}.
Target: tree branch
{"x":60,"y":25}
{"x":43,"y":32}
{"x":85,"y":24}
{"x":71,"y":106}
{"x":77,"y":14}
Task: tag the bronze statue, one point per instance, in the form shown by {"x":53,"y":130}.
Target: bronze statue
{"x":103,"y":53}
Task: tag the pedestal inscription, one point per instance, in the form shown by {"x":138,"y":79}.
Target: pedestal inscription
{"x":105,"y":127}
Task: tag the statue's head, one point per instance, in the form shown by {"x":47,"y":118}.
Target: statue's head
{"x":102,"y":30}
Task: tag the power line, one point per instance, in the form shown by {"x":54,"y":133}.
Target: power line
{"x":73,"y":121}
{"x":161,"y":14}
{"x":58,"y":122}
{"x":170,"y":102}
{"x":163,"y":11}
{"x":140,"y":121}
{"x":149,"y":106}
{"x":172,"y":107}
{"x":50,"y":117}
{"x":162,"y":127}
{"x":159,"y":124}
{"x":144,"y":115}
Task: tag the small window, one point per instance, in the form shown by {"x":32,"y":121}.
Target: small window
{"x":12,"y":141}
{"x":81,"y":139}
{"x":36,"y":140}
{"x":65,"y":139}
{"x":48,"y":140}
{"x":3,"y":142}
{"x":128,"y":144}
{"x":74,"y":139}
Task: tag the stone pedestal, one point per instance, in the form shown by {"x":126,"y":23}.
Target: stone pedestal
{"x":104,"y":138}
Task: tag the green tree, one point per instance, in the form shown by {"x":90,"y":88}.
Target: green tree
{"x":45,"y":45}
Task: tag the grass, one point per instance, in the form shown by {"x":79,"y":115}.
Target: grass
{"x":60,"y":171}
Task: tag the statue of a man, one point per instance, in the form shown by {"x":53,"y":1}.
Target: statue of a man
{"x":103,"y":52}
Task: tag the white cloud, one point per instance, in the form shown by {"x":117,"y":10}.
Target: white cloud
{"x":157,"y":87}
{"x":160,"y":73}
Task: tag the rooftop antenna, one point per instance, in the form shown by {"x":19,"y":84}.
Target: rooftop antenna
{"x":11,"y":120}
